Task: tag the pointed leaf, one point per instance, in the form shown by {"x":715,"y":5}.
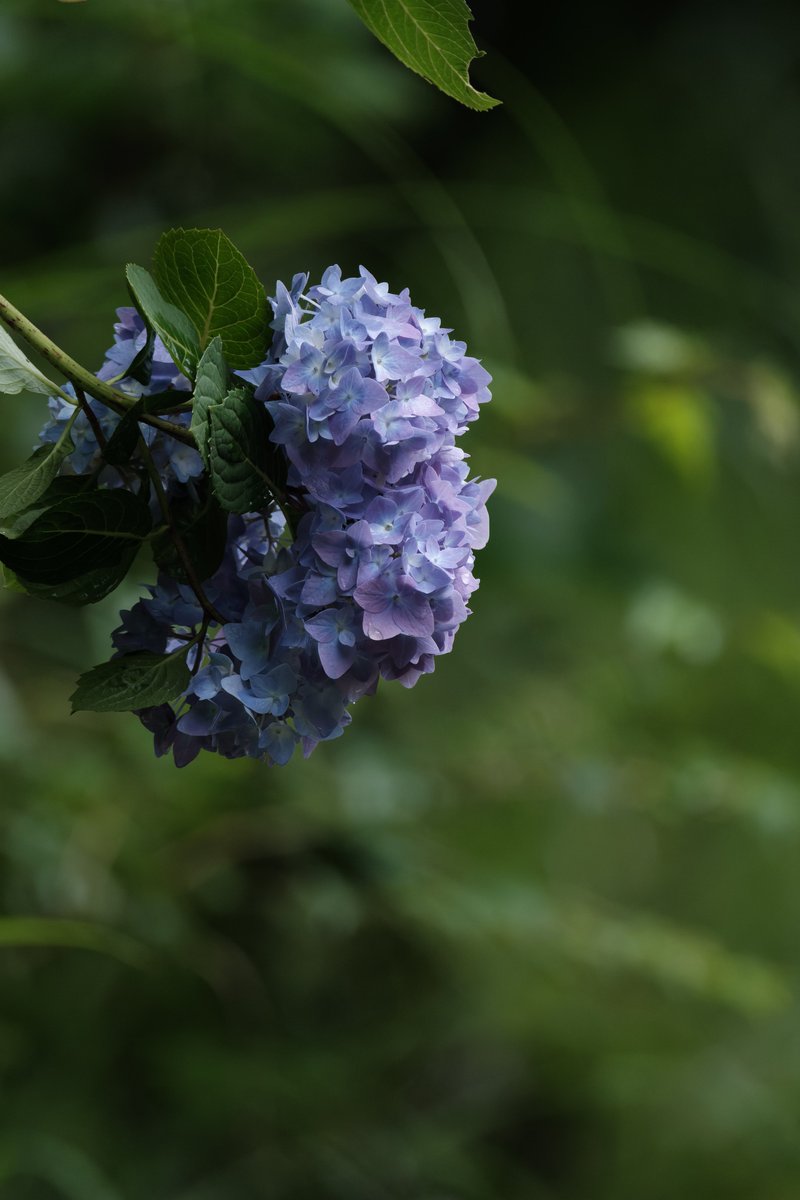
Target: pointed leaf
{"x":17,"y":372}
{"x":173,"y":326}
{"x":142,"y":366}
{"x":202,"y":272}
{"x":122,"y":443}
{"x":132,"y":681}
{"x":11,"y":583}
{"x":432,"y":38}
{"x":210,"y":388}
{"x":239,"y":451}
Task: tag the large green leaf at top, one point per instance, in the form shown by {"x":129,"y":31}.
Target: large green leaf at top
{"x":431,"y":37}
{"x":203,"y":274}
{"x":173,"y":326}
{"x":132,"y":681}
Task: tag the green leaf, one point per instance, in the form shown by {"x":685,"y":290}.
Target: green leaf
{"x":210,"y":388}
{"x":169,"y":401}
{"x":432,"y":38}
{"x":202,"y":272}
{"x":63,"y":487}
{"x":132,"y":681}
{"x":142,"y":366}
{"x":79,"y":535}
{"x":203,"y":529}
{"x":23,"y":486}
{"x":17,"y":373}
{"x":173,"y":326}
{"x":121,"y":445}
{"x":11,"y":583}
{"x":239,"y":453}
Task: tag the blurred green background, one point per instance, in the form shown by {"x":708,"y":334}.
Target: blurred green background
{"x":529,"y":932}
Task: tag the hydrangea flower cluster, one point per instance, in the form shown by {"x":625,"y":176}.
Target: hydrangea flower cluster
{"x":367,"y":396}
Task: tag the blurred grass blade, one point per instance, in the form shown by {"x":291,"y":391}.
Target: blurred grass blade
{"x":73,"y":935}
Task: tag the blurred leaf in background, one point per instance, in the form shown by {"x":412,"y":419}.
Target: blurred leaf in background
{"x":529,"y":930}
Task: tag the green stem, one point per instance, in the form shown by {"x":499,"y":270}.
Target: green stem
{"x":78,"y":375}
{"x":201,"y":638}
{"x":91,"y":417}
{"x":281,"y":500}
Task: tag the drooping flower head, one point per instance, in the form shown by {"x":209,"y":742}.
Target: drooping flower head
{"x":367,"y":397}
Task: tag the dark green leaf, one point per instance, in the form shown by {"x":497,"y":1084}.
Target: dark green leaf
{"x":202,"y":272}
{"x":84,"y":589}
{"x":63,"y":487}
{"x":132,"y":681}
{"x":142,"y":365}
{"x":210,"y":387}
{"x":203,"y":530}
{"x":167,"y":401}
{"x":239,"y":453}
{"x":173,"y":326}
{"x":87,"y":588}
{"x":120,"y":446}
{"x":98,"y":529}
{"x":432,"y":38}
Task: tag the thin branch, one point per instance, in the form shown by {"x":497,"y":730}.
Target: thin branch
{"x":91,"y":417}
{"x":198,"y":658}
{"x":79,"y":376}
